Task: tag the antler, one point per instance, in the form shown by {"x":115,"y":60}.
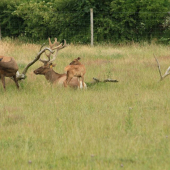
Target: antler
{"x":48,"y":55}
{"x":59,"y":47}
{"x":54,"y":44}
{"x":23,"y":74}
{"x":54,"y":48}
{"x":159,"y":68}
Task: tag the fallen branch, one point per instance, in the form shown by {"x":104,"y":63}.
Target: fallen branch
{"x":106,"y":80}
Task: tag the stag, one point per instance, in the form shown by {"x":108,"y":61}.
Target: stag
{"x":47,"y":69}
{"x":8,"y":68}
{"x":75,"y":69}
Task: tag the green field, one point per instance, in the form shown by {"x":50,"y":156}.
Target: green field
{"x":109,"y":126}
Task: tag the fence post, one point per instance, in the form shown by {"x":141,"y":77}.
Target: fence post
{"x":91,"y":25}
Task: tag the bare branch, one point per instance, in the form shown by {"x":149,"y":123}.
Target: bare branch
{"x":159,"y":68}
{"x":110,"y":80}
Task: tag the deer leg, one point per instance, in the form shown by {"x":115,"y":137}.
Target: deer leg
{"x":16,"y":82}
{"x":68,"y":80}
{"x":3,"y":81}
{"x":78,"y":78}
{"x":82,"y":77}
{"x":65,"y":84}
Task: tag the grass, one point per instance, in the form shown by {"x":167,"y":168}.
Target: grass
{"x":108,"y":126}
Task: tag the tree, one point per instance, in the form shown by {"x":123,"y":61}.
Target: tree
{"x":137,"y":20}
{"x":114,"y":20}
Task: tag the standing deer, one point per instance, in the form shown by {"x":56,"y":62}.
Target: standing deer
{"x":8,"y":68}
{"x":47,"y":69}
{"x":75,"y":69}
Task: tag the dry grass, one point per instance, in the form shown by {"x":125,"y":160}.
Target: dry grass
{"x":108,"y":126}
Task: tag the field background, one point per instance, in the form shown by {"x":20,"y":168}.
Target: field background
{"x":124,"y":125}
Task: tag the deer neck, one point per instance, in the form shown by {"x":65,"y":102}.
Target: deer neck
{"x":52,"y":76}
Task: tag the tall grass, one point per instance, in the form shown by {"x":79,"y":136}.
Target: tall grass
{"x":108,"y":126}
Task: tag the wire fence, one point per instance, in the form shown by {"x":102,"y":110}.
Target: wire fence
{"x":114,"y":27}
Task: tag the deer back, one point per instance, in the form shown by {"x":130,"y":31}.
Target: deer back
{"x":8,"y":66}
{"x":8,"y":62}
{"x":77,"y":70}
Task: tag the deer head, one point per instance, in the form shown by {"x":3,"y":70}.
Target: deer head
{"x":47,"y":68}
{"x":76,"y":61}
{"x":44,"y":69}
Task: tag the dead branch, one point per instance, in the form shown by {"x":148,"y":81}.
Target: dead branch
{"x":106,"y":80}
{"x":159,"y":68}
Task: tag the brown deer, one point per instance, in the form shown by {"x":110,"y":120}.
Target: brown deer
{"x":75,"y":69}
{"x":8,"y":68}
{"x":47,"y":69}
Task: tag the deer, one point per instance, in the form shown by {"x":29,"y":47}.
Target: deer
{"x":52,"y":76}
{"x":75,"y":69}
{"x":8,"y":68}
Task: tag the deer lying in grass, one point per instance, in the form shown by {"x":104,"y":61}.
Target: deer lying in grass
{"x":8,"y":68}
{"x":75,"y":69}
{"x":50,"y":74}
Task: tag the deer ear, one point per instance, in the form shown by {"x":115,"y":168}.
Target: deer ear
{"x":78,"y":58}
{"x":52,"y":65}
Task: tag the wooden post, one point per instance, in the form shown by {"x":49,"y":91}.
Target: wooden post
{"x":91,"y":24}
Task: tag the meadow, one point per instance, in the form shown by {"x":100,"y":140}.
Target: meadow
{"x":109,"y":126}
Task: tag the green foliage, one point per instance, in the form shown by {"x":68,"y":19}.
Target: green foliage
{"x":10,"y":25}
{"x":36,"y":18}
{"x":114,"y":21}
{"x":138,"y":20}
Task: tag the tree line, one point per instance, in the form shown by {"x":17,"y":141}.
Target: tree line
{"x":115,"y":21}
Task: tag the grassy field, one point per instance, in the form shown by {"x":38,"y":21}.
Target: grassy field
{"x":109,"y":126}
